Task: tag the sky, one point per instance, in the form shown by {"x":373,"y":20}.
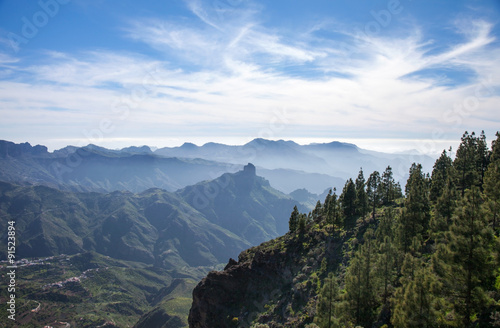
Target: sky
{"x":388,"y":75}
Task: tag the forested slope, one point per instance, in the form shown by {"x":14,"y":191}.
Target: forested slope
{"x":372,"y":257}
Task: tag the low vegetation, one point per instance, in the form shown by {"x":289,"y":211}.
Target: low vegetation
{"x":92,"y":290}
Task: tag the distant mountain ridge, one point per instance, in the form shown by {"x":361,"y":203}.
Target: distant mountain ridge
{"x":94,"y":168}
{"x":334,"y":160}
{"x":287,"y":165}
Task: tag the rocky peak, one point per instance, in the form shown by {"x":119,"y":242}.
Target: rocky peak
{"x":249,"y":169}
{"x":11,"y":149}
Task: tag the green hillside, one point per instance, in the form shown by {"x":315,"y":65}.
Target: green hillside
{"x":91,"y":290}
{"x":135,"y":227}
{"x":373,"y":258}
{"x":151,"y":248}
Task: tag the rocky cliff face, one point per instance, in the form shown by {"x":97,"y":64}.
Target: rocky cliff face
{"x":10,"y":149}
{"x":275,"y":283}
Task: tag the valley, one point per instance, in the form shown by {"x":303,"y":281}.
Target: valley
{"x":92,"y":290}
{"x":89,"y":257}
{"x":135,"y":256}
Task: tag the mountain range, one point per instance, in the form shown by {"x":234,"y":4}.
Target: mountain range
{"x":170,"y":215}
{"x":287,"y":165}
{"x":334,"y":159}
{"x":183,"y":234}
{"x":199,"y":225}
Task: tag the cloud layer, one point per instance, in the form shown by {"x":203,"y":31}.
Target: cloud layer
{"x":226,"y":73}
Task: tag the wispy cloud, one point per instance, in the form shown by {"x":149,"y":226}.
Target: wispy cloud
{"x":92,"y":68}
{"x":478,"y":36}
{"x":229,"y":72}
{"x":7,"y":59}
{"x":228,"y":34}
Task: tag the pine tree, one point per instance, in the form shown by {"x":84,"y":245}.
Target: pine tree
{"x":385,"y":267}
{"x":387,"y":186}
{"x":398,"y":192}
{"x":294,"y":219}
{"x":440,"y":174}
{"x":333,"y":210}
{"x":326,"y":203}
{"x":301,"y":226}
{"x":482,"y":158}
{"x":492,"y":185}
{"x":348,"y":199}
{"x":326,"y":316}
{"x":414,"y":302}
{"x":443,"y":211}
{"x":467,"y":263}
{"x":360,"y":291}
{"x":386,"y":225}
{"x":415,"y":216}
{"x":446,"y":202}
{"x":495,"y":148}
{"x":373,"y":191}
{"x":492,"y":193}
{"x":318,"y":210}
{"x":361,"y":197}
{"x":470,"y":162}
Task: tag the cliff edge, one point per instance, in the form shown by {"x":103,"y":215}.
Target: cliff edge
{"x":274,"y":283}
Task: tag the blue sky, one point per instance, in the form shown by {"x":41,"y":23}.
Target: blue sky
{"x":386,"y":75}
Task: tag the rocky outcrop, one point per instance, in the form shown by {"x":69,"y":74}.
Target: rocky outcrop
{"x":268,"y":284}
{"x":250,"y":169}
{"x":10,"y":149}
{"x":243,"y":203}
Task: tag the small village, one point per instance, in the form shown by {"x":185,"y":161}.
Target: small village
{"x":33,"y":261}
{"x":28,"y":262}
{"x":46,"y":261}
{"x":78,"y":279}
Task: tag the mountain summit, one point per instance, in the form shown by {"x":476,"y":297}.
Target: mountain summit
{"x":250,"y":169}
{"x":243,"y":203}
